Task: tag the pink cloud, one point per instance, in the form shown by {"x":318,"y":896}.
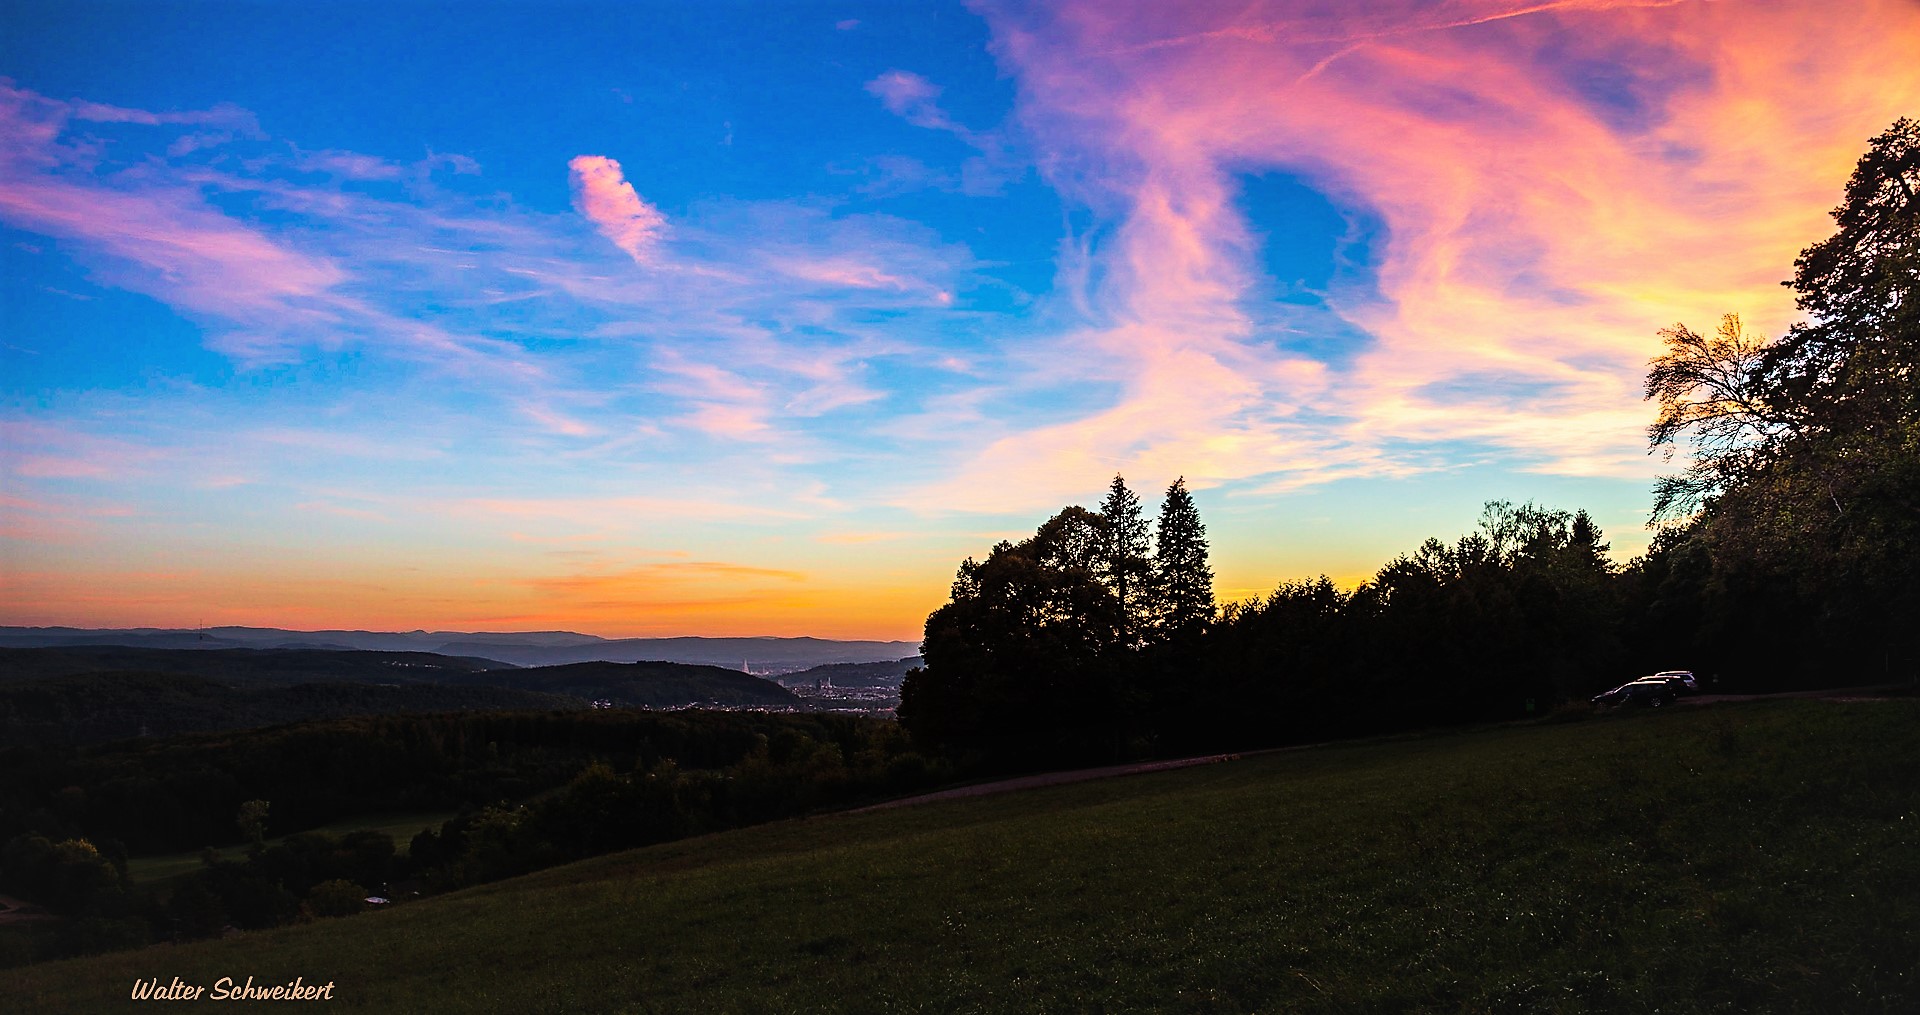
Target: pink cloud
{"x":1298,"y":23}
{"x":602,"y":194}
{"x":44,"y":451}
{"x":724,"y":403}
{"x":1537,"y":234}
{"x":908,"y":95}
{"x":557,"y":422}
{"x":55,"y":519}
{"x":203,"y":260}
{"x":223,"y":115}
{"x":151,"y":228}
{"x":350,"y":165}
{"x":844,"y":271}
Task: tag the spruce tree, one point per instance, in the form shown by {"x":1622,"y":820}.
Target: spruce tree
{"x":1123,"y":566}
{"x":1183,"y":580}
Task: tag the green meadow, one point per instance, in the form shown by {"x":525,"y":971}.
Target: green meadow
{"x":1728,"y":858}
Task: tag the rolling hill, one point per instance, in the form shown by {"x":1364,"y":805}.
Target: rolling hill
{"x":882,"y":674}
{"x":89,"y":694}
{"x":237,"y":665}
{"x":648,"y":684}
{"x":89,"y":708}
{"x":1721,"y":858}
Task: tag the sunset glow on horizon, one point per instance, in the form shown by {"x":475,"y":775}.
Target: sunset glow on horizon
{"x":646,"y":320}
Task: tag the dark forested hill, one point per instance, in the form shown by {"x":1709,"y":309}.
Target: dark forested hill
{"x":649,"y":684}
{"x":88,"y":708}
{"x":90,"y":694}
{"x":882,"y":674}
{"x":234,"y":665}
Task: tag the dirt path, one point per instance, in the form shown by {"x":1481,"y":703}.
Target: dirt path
{"x":1055,"y":779}
{"x":15,"y":911}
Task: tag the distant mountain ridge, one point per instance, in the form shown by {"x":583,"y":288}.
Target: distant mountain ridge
{"x":522,"y":648}
{"x":241,"y":665}
{"x":76,"y":694}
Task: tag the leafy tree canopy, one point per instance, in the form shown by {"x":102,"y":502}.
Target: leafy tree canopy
{"x":1838,"y":394}
{"x":1801,"y":501}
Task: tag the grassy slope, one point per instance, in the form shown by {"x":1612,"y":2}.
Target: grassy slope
{"x":1738,"y":858}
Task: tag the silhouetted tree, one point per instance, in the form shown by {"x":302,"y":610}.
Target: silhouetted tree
{"x":1805,"y":465}
{"x":1016,"y":662}
{"x":1854,"y":367}
{"x":1124,"y":566}
{"x":1183,"y":579}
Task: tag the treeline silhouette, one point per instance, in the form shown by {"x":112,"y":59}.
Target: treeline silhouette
{"x":1786,"y":557}
{"x":1043,"y":657}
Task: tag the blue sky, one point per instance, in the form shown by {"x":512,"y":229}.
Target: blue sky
{"x":756,"y":318}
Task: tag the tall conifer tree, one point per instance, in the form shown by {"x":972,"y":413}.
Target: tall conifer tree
{"x":1124,"y":567}
{"x":1183,"y":579}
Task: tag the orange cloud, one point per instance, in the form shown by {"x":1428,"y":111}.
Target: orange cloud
{"x":601,"y":193}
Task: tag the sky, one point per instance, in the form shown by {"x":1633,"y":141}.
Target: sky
{"x":757,"y":318}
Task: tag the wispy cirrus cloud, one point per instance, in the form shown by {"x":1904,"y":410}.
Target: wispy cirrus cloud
{"x":33,"y":449}
{"x":56,"y":519}
{"x":914,"y":99}
{"x":428,"y":355}
{"x":611,"y":512}
{"x":1554,"y":182}
{"x":288,"y":256}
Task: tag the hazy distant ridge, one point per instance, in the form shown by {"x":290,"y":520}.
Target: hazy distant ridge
{"x":76,"y":694}
{"x":524,"y":648}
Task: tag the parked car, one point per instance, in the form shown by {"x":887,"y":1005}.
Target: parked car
{"x":1649,"y":691}
{"x":1684,"y":676}
{"x":1679,"y":684}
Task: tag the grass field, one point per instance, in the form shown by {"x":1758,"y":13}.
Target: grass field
{"x":1738,"y":858}
{"x":143,"y":870}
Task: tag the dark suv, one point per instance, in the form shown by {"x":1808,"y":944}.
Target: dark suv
{"x":1653,"y":692}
